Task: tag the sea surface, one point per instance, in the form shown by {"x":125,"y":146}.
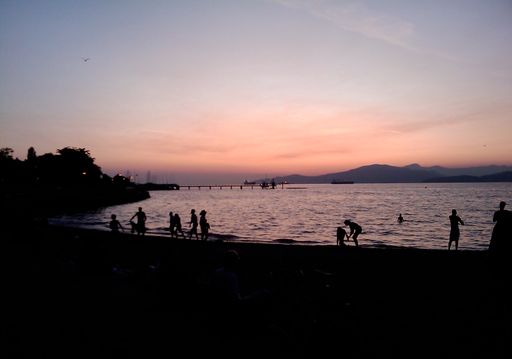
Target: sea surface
{"x":310,"y":214}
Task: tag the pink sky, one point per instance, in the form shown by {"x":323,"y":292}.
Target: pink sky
{"x":262,"y":88}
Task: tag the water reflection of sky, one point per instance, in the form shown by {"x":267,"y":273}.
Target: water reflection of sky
{"x":311,"y":215}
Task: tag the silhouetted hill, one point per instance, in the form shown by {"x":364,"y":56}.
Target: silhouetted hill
{"x":376,"y":173}
{"x":463,"y":171}
{"x":497,"y":177}
{"x":379,"y":173}
{"x":382,"y":174}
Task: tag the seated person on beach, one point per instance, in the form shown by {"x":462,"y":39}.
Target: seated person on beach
{"x":114,"y":224}
{"x":234,"y":312}
{"x":355,"y":230}
{"x":225,"y":283}
{"x":341,"y":235}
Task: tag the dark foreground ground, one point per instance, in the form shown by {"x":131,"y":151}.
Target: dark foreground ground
{"x":77,"y":293}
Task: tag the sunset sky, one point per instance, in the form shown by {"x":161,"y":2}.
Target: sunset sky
{"x":227,"y":90}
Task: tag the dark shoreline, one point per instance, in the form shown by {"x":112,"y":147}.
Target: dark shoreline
{"x":88,"y":231}
{"x":125,"y":294}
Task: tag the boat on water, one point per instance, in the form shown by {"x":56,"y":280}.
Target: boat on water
{"x":334,"y":181}
{"x":267,"y":185}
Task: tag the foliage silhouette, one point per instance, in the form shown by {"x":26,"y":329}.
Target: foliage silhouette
{"x":50,"y":183}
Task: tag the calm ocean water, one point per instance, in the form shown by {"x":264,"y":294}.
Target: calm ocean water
{"x":309,"y":214}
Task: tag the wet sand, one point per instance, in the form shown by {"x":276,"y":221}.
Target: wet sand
{"x":75,"y":292}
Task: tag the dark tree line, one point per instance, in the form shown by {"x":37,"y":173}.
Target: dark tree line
{"x":69,"y":166}
{"x":68,"y":180}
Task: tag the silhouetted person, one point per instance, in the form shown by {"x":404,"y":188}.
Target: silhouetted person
{"x":400,"y":219}
{"x":172,"y":224}
{"x":133,"y":226}
{"x":193,"y":222}
{"x":177,"y":225}
{"x":140,"y":226}
{"x":226,"y":290}
{"x":341,"y":234}
{"x":355,"y":230}
{"x":454,"y":229}
{"x":225,"y":282}
{"x":114,"y":224}
{"x":502,"y":229}
{"x":205,"y":226}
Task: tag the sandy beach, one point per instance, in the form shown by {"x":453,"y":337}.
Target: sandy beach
{"x":76,"y":292}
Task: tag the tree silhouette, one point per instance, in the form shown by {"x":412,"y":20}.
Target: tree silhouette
{"x":10,"y":168}
{"x":6,"y":153}
{"x":70,"y":166}
{"x":75,"y":165}
{"x":31,"y":155}
{"x":66,"y":181}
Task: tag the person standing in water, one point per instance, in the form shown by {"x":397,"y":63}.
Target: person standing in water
{"x":193,"y":223}
{"x":400,"y":219}
{"x":177,"y":225}
{"x":454,"y":229}
{"x":502,"y":228}
{"x":355,"y":230}
{"x":171,"y":224}
{"x":205,"y":226}
{"x":140,"y":226}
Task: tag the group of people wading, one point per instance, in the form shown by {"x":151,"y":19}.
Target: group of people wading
{"x":175,"y":227}
{"x":501,"y":239}
{"x":501,"y":234}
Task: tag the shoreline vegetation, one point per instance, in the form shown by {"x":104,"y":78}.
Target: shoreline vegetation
{"x":123,"y":294}
{"x":69,"y":181}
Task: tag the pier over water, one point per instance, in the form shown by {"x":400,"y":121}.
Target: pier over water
{"x":235,"y":186}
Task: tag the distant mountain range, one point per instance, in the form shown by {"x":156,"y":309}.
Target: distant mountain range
{"x":496,"y":177}
{"x":378,"y":173}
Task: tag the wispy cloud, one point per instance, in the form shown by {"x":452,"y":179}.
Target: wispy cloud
{"x":358,"y":18}
{"x":457,"y":116}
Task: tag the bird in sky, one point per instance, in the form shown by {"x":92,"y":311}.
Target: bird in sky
{"x":86,"y":59}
